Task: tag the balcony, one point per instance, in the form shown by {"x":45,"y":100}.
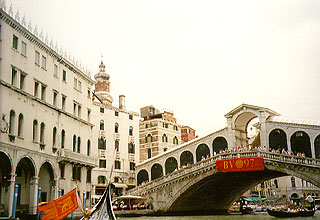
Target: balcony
{"x":102,"y":133}
{"x":102,"y":153}
{"x":73,"y":157}
{"x":117,"y":136}
{"x":131,"y":139}
{"x":131,"y":157}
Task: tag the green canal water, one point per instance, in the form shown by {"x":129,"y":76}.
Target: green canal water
{"x":218,"y":217}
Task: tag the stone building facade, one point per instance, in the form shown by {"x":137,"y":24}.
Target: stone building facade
{"x":158,"y":132}
{"x":50,"y":125}
{"x":187,"y":134}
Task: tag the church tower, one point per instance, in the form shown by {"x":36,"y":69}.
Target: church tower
{"x":102,"y":85}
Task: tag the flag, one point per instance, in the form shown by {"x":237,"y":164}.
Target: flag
{"x":240,"y":164}
{"x":61,"y":207}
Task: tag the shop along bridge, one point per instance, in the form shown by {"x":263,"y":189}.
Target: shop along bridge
{"x":185,"y":180}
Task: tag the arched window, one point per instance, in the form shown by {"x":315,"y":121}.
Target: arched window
{"x":20,"y":125}
{"x":116,"y":145}
{"x":102,"y":125}
{"x":79,"y":145}
{"x":130,"y":130}
{"x":131,"y":148}
{"x":101,"y":180}
{"x":74,"y":143}
{"x":88,"y":147}
{"x":35,"y":130}
{"x":116,"y":128}
{"x":149,"y":138}
{"x":102,"y":143}
{"x":42,"y":127}
{"x":164,"y":138}
{"x":293,"y":182}
{"x":149,"y":153}
{"x":175,"y":140}
{"x":54,"y":136}
{"x":63,"y":137}
{"x":12,"y":122}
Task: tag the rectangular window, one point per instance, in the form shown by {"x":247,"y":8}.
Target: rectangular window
{"x":43,"y":92}
{"x":131,"y":117}
{"x":64,"y":75}
{"x":36,"y":89}
{"x":63,"y":102}
{"x":79,"y":86}
{"x":22,"y":78}
{"x":23,"y":48}
{"x":15,"y":42}
{"x":74,"y":108}
{"x":89,"y":93}
{"x":116,"y":113}
{"x":102,"y":164}
{"x":44,"y":62}
{"x":75,"y":83}
{"x":79,"y":111}
{"x":89,"y":115}
{"x":117,"y":164}
{"x":132,"y":166}
{"x":88,"y":177}
{"x":14,"y":77}
{"x":37,"y":58}
{"x":101,"y":110}
{"x":55,"y":70}
{"x":55,"y":97}
{"x":62,"y":167}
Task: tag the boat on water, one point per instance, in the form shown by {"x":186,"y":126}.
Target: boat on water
{"x":290,"y":214}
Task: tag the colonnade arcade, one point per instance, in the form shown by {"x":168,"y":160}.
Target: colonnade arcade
{"x":28,"y":178}
{"x":272,"y":134}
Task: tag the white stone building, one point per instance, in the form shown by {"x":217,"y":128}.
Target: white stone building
{"x":50,"y":123}
{"x":117,"y":133}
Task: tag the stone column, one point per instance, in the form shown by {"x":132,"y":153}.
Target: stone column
{"x":263,"y":130}
{"x":313,"y":152}
{"x":288,"y":144}
{"x":34,"y":184}
{"x":9,"y":204}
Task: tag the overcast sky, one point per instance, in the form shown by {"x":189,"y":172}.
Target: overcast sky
{"x":199,"y":58}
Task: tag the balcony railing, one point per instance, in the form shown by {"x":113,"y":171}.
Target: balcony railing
{"x":73,"y":157}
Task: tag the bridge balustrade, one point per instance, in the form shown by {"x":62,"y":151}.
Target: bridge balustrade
{"x":209,"y":162}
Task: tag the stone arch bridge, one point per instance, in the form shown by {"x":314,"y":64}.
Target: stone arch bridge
{"x":200,"y":187}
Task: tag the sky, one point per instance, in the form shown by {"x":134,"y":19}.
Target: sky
{"x":197,"y":58}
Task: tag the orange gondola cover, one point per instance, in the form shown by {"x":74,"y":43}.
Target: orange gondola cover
{"x":61,"y":207}
{"x":240,"y":164}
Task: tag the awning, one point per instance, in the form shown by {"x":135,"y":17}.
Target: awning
{"x":130,"y":197}
{"x":120,"y":185}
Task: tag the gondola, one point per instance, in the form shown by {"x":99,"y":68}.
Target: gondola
{"x":102,"y":210}
{"x":286,"y":214}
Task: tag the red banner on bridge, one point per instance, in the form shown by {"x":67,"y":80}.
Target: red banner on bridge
{"x":240,"y":164}
{"x":61,"y":207}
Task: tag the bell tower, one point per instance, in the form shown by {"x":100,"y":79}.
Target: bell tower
{"x":102,"y":85}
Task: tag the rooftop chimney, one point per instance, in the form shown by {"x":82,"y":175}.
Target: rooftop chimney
{"x":122,"y":103}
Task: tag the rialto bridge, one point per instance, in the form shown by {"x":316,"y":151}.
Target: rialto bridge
{"x":184,"y":180}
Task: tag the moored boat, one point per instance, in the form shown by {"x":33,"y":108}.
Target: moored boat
{"x":288,"y":214}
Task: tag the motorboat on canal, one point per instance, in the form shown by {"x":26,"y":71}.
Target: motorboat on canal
{"x":290,"y":214}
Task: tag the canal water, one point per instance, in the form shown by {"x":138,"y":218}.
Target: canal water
{"x":264,"y":216}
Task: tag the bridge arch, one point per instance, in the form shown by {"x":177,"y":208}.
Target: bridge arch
{"x":317,"y":146}
{"x":300,"y":142}
{"x":186,"y":157}
{"x":142,"y":176}
{"x":219,"y":143}
{"x":278,"y":139}
{"x":156,"y":171}
{"x":171,"y":164}
{"x":202,"y":151}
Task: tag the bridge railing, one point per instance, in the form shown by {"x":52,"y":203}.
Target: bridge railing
{"x":211,"y":162}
